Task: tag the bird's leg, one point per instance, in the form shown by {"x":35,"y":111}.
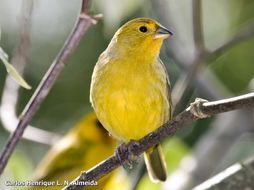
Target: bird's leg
{"x":132,"y":145}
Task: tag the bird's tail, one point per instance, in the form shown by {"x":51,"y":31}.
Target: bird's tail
{"x":155,"y":164}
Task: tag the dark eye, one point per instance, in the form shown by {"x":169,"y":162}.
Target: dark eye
{"x":143,"y":29}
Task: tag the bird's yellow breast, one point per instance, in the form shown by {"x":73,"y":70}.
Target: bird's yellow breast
{"x":130,"y":97}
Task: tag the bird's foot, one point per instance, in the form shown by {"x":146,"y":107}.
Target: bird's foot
{"x":125,"y":154}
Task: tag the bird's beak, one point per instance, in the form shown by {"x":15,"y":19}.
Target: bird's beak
{"x":162,"y":32}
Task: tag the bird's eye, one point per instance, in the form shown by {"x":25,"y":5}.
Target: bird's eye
{"x":143,"y":29}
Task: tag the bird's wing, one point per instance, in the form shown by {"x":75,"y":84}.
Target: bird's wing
{"x":168,"y":89}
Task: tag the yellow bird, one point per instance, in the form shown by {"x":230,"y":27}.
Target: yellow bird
{"x":87,"y":144}
{"x":130,"y":90}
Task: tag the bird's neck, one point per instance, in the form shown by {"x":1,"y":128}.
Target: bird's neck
{"x":145,"y":52}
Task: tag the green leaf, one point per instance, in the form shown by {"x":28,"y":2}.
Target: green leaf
{"x":12,"y":71}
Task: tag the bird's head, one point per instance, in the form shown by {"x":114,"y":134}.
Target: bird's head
{"x":141,"y":35}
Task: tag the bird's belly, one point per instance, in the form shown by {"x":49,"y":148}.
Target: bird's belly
{"x":131,"y":112}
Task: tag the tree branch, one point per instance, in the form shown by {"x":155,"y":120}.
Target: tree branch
{"x":238,"y":176}
{"x":197,"y":110}
{"x":83,"y":23}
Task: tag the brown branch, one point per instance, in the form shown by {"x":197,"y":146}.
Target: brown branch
{"x":238,"y":176}
{"x":199,"y":109}
{"x":229,"y":104}
{"x":83,"y":23}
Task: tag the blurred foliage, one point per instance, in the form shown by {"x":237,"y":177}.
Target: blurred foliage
{"x":69,"y":98}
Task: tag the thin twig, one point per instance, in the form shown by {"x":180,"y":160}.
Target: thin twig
{"x":198,"y":34}
{"x":83,"y":23}
{"x":11,"y":88}
{"x":197,"y":110}
{"x":225,"y":105}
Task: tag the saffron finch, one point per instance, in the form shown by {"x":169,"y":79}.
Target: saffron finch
{"x":130,"y":90}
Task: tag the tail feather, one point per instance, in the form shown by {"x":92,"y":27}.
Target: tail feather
{"x":155,"y":164}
